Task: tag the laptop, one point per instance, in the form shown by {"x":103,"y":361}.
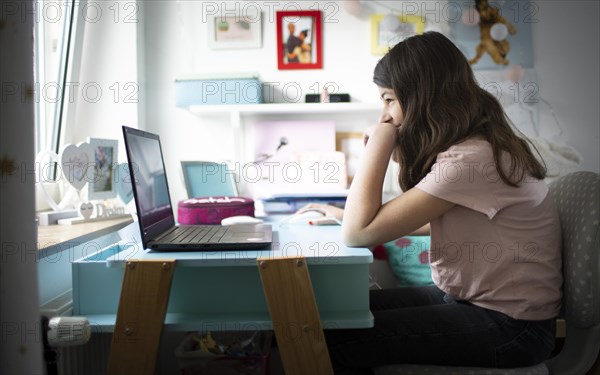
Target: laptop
{"x":155,"y":212}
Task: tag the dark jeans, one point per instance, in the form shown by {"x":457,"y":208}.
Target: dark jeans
{"x":423,"y":325}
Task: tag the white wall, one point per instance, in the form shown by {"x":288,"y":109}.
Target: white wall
{"x":566,"y":45}
{"x":182,"y":27}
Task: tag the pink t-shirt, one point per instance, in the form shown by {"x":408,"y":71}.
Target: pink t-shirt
{"x":499,"y":247}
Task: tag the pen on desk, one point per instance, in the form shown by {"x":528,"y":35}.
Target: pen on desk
{"x":324,"y":221}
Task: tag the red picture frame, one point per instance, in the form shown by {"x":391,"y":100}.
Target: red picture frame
{"x":299,"y":42}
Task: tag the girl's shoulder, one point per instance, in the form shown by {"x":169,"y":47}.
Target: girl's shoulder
{"x":476,"y":149}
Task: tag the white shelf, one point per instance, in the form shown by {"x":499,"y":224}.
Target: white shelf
{"x":286,"y":108}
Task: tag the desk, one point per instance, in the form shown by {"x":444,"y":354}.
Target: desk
{"x":222,"y":290}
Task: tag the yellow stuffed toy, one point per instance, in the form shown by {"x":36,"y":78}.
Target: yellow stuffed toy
{"x":497,"y":49}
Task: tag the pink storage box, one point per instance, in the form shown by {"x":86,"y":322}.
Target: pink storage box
{"x":211,"y":210}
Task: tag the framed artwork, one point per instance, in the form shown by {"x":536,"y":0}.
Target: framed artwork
{"x":235,"y":31}
{"x":382,"y":40}
{"x":352,"y":145}
{"x":299,"y":42}
{"x":102,"y":182}
{"x":515,"y":46}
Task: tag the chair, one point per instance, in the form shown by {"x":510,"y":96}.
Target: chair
{"x":577,"y":198}
{"x":206,"y":178}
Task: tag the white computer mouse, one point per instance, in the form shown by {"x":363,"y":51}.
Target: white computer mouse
{"x":306,"y":216}
{"x":232,"y":220}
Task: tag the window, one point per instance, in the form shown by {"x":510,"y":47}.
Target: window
{"x":55,"y":24}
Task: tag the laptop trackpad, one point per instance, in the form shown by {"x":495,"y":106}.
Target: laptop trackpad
{"x":248,"y":236}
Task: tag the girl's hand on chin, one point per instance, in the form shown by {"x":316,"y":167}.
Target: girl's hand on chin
{"x":371,"y":129}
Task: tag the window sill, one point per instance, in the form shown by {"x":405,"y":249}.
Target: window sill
{"x":56,"y":238}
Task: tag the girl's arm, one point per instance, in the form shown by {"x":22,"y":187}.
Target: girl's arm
{"x":366,"y":221}
{"x":338,"y":213}
{"x":425,"y":230}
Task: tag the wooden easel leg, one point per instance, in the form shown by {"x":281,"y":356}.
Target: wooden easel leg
{"x":295,"y":316}
{"x":140,"y":317}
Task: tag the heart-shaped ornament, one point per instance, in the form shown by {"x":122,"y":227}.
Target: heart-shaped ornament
{"x":45,"y":162}
{"x":86,"y":209}
{"x":76,"y":162}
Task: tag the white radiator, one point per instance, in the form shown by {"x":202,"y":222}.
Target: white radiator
{"x":88,"y":359}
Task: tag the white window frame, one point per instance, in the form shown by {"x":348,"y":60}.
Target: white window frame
{"x":51,"y":113}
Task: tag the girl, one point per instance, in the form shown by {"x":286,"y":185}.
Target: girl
{"x":495,"y":236}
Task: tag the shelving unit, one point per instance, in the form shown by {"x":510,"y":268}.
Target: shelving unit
{"x":238,"y":112}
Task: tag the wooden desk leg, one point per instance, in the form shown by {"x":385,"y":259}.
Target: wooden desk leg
{"x":140,"y":317}
{"x":295,"y":316}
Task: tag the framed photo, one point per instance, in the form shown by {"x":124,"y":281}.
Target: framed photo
{"x":104,"y":162}
{"x":299,"y":43}
{"x":351,"y":144}
{"x":382,"y":40}
{"x":237,"y":31}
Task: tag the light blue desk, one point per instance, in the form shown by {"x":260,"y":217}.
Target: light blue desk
{"x":223,"y":291}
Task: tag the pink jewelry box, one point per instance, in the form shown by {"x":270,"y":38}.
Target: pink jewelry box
{"x":211,"y":210}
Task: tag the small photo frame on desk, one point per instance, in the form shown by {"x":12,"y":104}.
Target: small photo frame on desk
{"x":235,"y":31}
{"x":101,"y":184}
{"x":299,"y":43}
{"x":382,"y":39}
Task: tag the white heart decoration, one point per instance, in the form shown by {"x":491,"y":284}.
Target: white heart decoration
{"x":86,"y":210}
{"x":43,"y":163}
{"x":76,"y":162}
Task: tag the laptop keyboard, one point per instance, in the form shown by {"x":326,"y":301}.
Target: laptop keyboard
{"x":196,"y":234}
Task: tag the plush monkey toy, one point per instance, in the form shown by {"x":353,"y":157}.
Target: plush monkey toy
{"x":488,"y":17}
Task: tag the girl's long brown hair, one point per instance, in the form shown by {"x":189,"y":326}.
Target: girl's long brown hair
{"x":443,"y":105}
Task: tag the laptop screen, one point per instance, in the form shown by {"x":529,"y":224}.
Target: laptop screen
{"x":149,"y":179}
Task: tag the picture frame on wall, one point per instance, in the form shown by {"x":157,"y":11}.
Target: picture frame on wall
{"x":101,"y":184}
{"x":235,"y":31}
{"x":382,"y":40}
{"x":299,"y":40}
{"x":517,"y":45}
